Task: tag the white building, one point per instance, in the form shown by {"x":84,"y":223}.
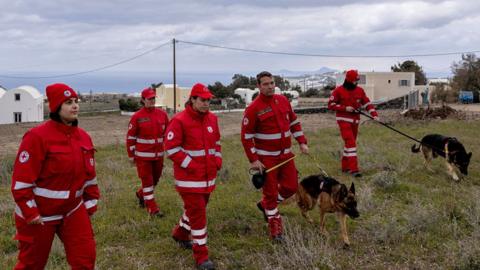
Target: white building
{"x":384,"y":85}
{"x":248,"y":94}
{"x":164,"y":96}
{"x":22,"y":104}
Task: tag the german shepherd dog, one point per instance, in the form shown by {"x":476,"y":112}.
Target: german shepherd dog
{"x":450,"y":148}
{"x":331,"y":197}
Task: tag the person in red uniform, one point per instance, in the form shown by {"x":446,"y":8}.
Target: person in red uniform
{"x":268,"y":125}
{"x":145,"y":148}
{"x":54,"y":186}
{"x":193,"y":144}
{"x":346,"y":100}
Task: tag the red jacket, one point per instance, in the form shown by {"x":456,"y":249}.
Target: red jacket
{"x":268,"y":124}
{"x":192,"y":142}
{"x":356,"y":98}
{"x":145,"y":134}
{"x":54,"y":173}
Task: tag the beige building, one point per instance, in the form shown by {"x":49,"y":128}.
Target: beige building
{"x":164,"y":98}
{"x":384,"y":85}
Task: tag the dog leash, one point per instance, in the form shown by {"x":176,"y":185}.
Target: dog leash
{"x":400,"y":132}
{"x":318,"y":165}
{"x":252,"y":170}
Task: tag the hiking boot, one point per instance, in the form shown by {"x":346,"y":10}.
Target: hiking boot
{"x":141,"y":202}
{"x":275,"y":227}
{"x":356,"y":174}
{"x":157,"y":214}
{"x":206,"y":265}
{"x":185,"y":244}
{"x":260,"y":207}
{"x":278,"y":239}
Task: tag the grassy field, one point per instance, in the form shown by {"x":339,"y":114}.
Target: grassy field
{"x":410,"y":218}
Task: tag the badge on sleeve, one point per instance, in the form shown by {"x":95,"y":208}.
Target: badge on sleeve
{"x":170,"y":135}
{"x":245,"y":121}
{"x":130,"y":126}
{"x":332,"y":98}
{"x":24,"y":156}
{"x":92,"y":162}
{"x":210,"y":129}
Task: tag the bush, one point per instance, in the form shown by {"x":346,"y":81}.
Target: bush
{"x":129,"y":105}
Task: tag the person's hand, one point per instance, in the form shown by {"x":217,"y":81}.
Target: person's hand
{"x":36,"y":221}
{"x":304,"y":148}
{"x":349,"y":109}
{"x":376,"y":118}
{"x":257,"y":165}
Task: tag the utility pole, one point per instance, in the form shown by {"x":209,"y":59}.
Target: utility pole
{"x":174,"y":80}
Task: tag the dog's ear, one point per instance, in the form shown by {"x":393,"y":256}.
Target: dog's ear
{"x":341,"y":193}
{"x":352,"y":188}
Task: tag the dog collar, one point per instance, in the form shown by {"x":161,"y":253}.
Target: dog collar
{"x":446,"y":151}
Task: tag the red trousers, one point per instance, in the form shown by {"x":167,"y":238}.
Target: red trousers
{"x":149,"y":172}
{"x":75,"y":231}
{"x":349,"y":133}
{"x":280,"y":184}
{"x":193,"y":224}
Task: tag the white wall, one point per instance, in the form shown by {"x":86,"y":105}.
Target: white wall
{"x":31,"y":107}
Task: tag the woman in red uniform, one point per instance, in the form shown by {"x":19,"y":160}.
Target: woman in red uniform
{"x":145,"y":148}
{"x":54,"y":186}
{"x":193,"y":144}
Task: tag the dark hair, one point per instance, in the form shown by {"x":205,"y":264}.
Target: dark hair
{"x":263,"y":74}
{"x":55,"y":116}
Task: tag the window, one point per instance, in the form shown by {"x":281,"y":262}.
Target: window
{"x":17,"y":117}
{"x":17,"y":97}
{"x":404,"y":83}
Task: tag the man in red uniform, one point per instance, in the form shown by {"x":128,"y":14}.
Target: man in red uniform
{"x":192,"y":142}
{"x":346,"y":99}
{"x":145,"y":148}
{"x":267,"y":127}
{"x":54,"y":186}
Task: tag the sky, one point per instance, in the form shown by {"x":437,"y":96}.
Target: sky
{"x":59,"y":37}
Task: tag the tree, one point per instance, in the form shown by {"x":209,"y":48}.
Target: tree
{"x":129,"y":105}
{"x":281,"y":83}
{"x":297,"y":88}
{"x":312,"y":92}
{"x":411,"y":66}
{"x":466,"y":75}
{"x":220,"y":91}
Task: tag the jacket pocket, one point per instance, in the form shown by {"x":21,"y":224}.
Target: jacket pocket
{"x":88,"y":153}
{"x":265,"y":116}
{"x":59,"y":160}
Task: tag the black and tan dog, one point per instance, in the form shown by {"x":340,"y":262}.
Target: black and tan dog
{"x":331,"y":197}
{"x":450,"y":148}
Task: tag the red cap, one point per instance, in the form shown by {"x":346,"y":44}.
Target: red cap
{"x":200,"y":90}
{"x":148,"y":93}
{"x":352,"y":76}
{"x":58,"y":93}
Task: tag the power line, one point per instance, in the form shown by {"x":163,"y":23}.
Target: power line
{"x":91,"y":70}
{"x":325,"y":55}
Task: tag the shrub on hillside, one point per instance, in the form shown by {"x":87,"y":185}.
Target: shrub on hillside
{"x":385,"y":179}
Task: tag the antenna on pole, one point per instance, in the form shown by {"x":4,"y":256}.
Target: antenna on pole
{"x":174,"y":79}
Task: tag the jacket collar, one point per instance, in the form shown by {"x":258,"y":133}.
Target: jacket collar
{"x":63,"y":128}
{"x":266,"y":99}
{"x":194,"y":114}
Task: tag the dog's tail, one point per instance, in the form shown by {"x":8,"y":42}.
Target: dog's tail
{"x":416,"y":149}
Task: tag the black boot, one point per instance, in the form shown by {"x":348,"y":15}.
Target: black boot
{"x":141,"y":202}
{"x":206,"y":265}
{"x":185,"y":244}
{"x":260,"y":207}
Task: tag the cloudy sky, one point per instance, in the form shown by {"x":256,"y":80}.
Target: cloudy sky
{"x":59,"y":36}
